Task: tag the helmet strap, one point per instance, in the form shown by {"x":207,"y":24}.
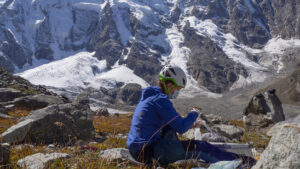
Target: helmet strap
{"x":167,"y":91}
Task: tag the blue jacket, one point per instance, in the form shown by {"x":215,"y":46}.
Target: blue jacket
{"x":153,"y":112}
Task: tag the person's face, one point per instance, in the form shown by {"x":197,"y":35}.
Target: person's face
{"x":171,"y":90}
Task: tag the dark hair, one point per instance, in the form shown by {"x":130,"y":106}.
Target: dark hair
{"x":161,"y":86}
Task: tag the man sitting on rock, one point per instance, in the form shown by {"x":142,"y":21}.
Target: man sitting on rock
{"x":155,"y":122}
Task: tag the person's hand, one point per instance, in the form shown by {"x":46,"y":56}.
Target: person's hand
{"x":196,"y":109}
{"x":199,"y":123}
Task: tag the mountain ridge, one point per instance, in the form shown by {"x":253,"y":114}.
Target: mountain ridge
{"x":144,"y":35}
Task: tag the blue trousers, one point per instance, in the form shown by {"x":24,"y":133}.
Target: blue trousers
{"x":169,"y":149}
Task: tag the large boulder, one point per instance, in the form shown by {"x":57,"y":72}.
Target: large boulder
{"x":4,"y":154}
{"x":64,"y":124}
{"x":40,"y":160}
{"x":37,"y":101}
{"x":8,"y":94}
{"x":263,"y":111}
{"x":130,"y":93}
{"x":283,"y":150}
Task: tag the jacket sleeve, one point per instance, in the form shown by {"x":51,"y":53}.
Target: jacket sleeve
{"x":169,"y":115}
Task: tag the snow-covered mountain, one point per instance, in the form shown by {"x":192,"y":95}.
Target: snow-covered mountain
{"x":221,"y":44}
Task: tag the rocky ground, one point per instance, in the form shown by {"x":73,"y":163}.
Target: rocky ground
{"x":40,"y":129}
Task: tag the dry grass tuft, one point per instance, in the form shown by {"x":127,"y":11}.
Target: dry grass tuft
{"x":6,"y":123}
{"x":19,"y":112}
{"x":112,"y":124}
{"x":259,"y":140}
{"x":237,"y":123}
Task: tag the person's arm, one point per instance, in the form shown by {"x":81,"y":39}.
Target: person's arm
{"x":169,"y":115}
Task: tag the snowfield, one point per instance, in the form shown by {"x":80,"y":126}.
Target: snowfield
{"x":81,"y":70}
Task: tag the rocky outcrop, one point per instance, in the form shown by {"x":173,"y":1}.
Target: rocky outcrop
{"x":7,"y":80}
{"x":8,"y":94}
{"x":106,"y":39}
{"x":282,"y":17}
{"x":64,"y":124}
{"x":37,"y":101}
{"x":40,"y":160}
{"x":130,"y":93}
{"x":13,"y":50}
{"x":263,"y":111}
{"x":283,"y":150}
{"x":208,"y":64}
{"x":144,"y":63}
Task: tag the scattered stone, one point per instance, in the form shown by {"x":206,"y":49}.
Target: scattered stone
{"x":39,"y":160}
{"x":51,"y":146}
{"x":212,"y":119}
{"x":102,"y":112}
{"x":61,"y":124}
{"x":283,"y":150}
{"x":117,"y":154}
{"x":21,"y":146}
{"x":4,"y":153}
{"x":263,"y":111}
{"x":211,"y":137}
{"x":229,"y":131}
{"x":8,"y":94}
{"x":114,"y":154}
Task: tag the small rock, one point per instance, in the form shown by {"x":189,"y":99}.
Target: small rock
{"x":229,"y":131}
{"x":21,"y":146}
{"x":38,"y":160}
{"x":113,"y":154}
{"x":212,"y":137}
{"x":51,"y":146}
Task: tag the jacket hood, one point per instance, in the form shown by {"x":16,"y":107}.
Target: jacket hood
{"x":150,"y":91}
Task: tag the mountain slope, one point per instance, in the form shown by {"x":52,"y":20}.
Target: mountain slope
{"x":221,"y":45}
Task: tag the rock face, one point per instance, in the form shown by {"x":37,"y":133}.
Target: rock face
{"x":40,"y":160}
{"x":283,"y":150}
{"x":64,"y":124}
{"x":208,"y":64}
{"x":4,"y":154}
{"x":263,"y":111}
